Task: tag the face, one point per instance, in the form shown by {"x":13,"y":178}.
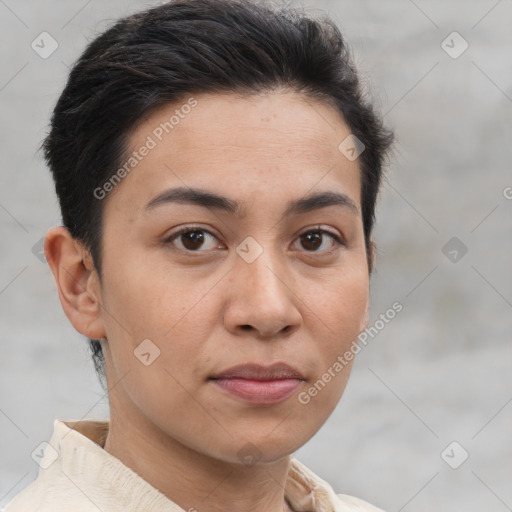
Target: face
{"x":221,"y":313}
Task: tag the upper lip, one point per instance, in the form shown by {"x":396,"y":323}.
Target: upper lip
{"x":252,"y":371}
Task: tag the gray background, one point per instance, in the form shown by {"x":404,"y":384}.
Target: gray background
{"x":439,"y":372}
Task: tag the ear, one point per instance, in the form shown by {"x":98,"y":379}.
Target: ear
{"x":365,"y":319}
{"x":77,"y":282}
{"x":372,"y":249}
{"x":372,"y":252}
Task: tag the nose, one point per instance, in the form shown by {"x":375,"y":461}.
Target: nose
{"x":262,"y":298}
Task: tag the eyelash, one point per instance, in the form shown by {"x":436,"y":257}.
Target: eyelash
{"x":318,"y":229}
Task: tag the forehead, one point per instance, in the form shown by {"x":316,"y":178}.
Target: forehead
{"x":272,"y":117}
{"x":272,"y":143}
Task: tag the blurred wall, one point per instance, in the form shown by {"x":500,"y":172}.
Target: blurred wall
{"x":434,"y":385}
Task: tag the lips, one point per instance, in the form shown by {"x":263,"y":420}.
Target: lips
{"x":276,"y":371}
{"x":259,"y":385}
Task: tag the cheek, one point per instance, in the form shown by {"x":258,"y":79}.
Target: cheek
{"x":337,"y":316}
{"x":168,"y":308}
{"x":140,"y":297}
{"x":336,"y":321}
{"x":340,"y":305}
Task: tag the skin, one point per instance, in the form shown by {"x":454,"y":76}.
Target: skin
{"x":209,"y":310}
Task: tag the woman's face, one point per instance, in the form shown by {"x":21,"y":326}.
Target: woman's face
{"x":262,"y":277}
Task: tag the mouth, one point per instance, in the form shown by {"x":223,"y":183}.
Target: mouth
{"x":259,"y":385}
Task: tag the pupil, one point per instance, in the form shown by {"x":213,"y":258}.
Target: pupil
{"x":193,"y":239}
{"x":310,"y":240}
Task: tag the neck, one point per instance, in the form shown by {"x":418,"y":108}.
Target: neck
{"x":192,"y":480}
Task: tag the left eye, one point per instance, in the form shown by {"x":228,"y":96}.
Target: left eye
{"x":313,"y":240}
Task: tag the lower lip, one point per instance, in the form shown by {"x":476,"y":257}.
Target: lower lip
{"x":261,"y":392}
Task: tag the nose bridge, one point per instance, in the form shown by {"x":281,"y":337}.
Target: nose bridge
{"x":261,"y":296}
{"x":260,"y":270}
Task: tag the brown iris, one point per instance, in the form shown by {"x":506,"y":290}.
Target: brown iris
{"x":192,"y":239}
{"x":311,"y":240}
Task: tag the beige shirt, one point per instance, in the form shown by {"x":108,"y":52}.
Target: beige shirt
{"x":77,"y":475}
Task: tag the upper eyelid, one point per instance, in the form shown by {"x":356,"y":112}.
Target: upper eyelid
{"x":186,"y":229}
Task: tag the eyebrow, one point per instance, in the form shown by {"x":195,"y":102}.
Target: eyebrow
{"x":205,"y":199}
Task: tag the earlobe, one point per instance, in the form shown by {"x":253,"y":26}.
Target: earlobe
{"x":372,"y":256}
{"x":365,"y":320}
{"x":77,"y":282}
{"x":372,"y":253}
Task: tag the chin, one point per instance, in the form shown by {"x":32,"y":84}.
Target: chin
{"x":267,"y":446}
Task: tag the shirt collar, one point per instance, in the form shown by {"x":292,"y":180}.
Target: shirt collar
{"x":78,"y":446}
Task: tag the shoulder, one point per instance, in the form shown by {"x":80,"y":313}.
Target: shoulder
{"x":352,"y":504}
{"x":54,"y":489}
{"x":53,"y":498}
{"x":307,"y":491}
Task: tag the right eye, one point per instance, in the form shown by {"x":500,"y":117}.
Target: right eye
{"x":191,"y":239}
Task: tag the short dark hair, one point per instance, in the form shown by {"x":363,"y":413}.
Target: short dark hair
{"x":195,"y":46}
